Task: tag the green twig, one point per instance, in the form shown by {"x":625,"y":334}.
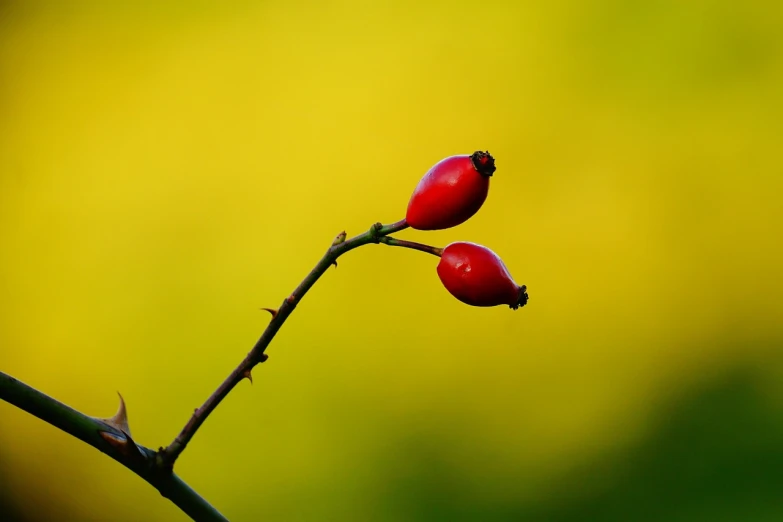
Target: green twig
{"x":340,"y":246}
{"x":112,"y":437}
{"x":435,"y":251}
{"x":111,"y":440}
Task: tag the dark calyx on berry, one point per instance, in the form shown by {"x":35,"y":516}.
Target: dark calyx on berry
{"x":483,"y":162}
{"x":522,"y":300}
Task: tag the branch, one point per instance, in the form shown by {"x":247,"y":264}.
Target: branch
{"x":435,"y":251}
{"x":339,"y":247}
{"x":112,"y":437}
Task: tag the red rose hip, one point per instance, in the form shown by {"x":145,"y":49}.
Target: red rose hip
{"x":476,"y":276}
{"x":451,"y":192}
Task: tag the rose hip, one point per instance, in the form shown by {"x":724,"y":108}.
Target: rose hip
{"x":451,"y":192}
{"x":476,"y":276}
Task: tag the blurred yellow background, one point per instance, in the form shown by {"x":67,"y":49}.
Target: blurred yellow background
{"x":166,"y":170}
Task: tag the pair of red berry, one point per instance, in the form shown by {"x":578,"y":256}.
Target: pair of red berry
{"x":449,"y":194}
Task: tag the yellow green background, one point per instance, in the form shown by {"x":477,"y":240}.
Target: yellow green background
{"x":168,"y":168}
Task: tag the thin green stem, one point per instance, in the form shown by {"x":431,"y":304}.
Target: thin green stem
{"x":435,"y":251}
{"x":157,"y":467}
{"x":376,"y":233}
{"x":110,"y":440}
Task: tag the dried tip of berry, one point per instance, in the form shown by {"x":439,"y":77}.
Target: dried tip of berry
{"x":522,"y":300}
{"x":483,"y":162}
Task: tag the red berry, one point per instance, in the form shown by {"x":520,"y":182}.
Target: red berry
{"x":476,"y":276}
{"x":451,"y":191}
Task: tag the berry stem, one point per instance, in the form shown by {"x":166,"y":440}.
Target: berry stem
{"x":376,"y":234}
{"x":435,"y":251}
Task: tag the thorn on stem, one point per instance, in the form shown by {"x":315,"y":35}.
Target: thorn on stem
{"x":120,"y":419}
{"x":247,"y":375}
{"x":122,"y":441}
{"x":272,"y":311}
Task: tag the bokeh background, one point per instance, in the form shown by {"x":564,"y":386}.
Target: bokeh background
{"x":168,"y":168}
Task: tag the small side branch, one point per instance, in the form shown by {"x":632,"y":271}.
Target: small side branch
{"x":435,"y":251}
{"x":112,"y":437}
{"x":376,"y":234}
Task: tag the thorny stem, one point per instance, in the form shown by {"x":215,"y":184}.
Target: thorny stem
{"x":110,"y":440}
{"x":157,"y":467}
{"x":435,"y":251}
{"x":376,"y":234}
